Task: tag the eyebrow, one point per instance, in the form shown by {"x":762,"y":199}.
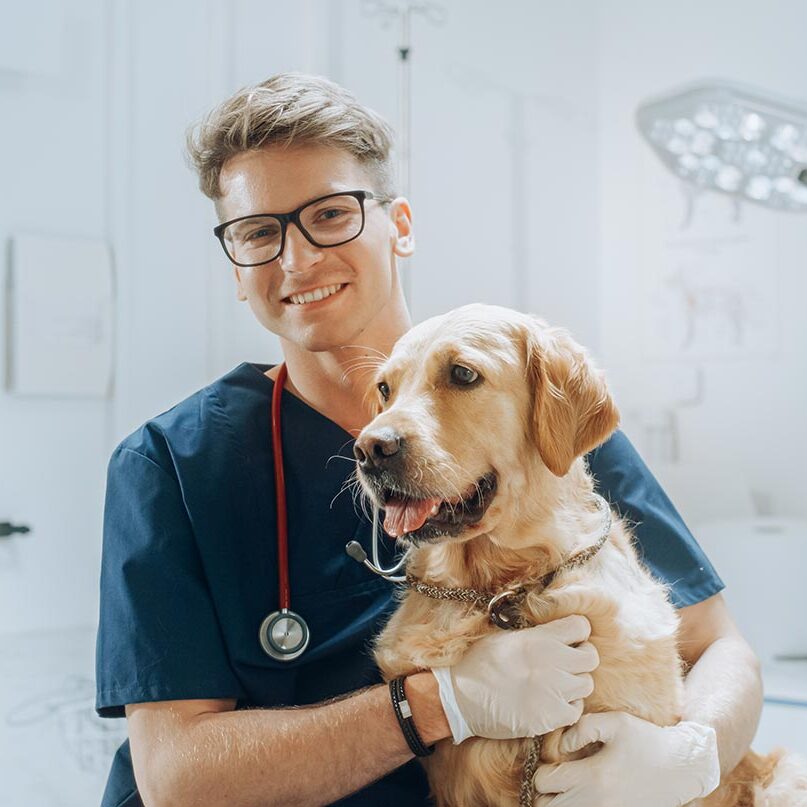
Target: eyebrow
{"x":314,"y":198}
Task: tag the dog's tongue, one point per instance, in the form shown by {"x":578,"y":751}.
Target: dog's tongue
{"x":406,"y":515}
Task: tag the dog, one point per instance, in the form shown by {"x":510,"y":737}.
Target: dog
{"x":476,"y":456}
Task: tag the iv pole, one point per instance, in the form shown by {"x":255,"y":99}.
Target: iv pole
{"x":403,"y":10}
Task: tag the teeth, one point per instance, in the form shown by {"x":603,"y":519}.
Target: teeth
{"x":435,"y":509}
{"x":316,"y":294}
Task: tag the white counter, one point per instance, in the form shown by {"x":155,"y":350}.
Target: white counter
{"x":784,"y":715}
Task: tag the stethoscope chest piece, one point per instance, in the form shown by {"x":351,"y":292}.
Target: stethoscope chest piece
{"x":283,"y":635}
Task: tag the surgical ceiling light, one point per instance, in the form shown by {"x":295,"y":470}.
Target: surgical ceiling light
{"x":724,"y":137}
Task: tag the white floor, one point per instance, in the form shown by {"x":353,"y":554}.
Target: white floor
{"x":55,"y":752}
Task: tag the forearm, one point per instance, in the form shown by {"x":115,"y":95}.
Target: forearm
{"x":301,"y":756}
{"x":724,"y":691}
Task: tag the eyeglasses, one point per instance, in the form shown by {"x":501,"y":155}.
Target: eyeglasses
{"x":327,"y":221}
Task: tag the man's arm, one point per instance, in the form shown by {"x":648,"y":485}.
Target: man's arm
{"x":189,"y":753}
{"x":724,"y":685}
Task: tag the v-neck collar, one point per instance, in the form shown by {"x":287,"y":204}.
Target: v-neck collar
{"x":260,"y":370}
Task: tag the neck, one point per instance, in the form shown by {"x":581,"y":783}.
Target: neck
{"x":338,"y":382}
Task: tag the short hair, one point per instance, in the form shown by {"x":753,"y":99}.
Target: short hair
{"x":291,"y":109}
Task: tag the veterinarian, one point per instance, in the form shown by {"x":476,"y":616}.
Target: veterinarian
{"x":216,"y":715}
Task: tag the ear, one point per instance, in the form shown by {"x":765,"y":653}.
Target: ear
{"x":239,"y":288}
{"x":403,"y":244}
{"x":572,"y":409}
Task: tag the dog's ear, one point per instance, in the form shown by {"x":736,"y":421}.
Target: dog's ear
{"x":572,"y":409}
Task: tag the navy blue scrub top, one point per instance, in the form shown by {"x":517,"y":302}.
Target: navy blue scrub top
{"x":189,"y":566}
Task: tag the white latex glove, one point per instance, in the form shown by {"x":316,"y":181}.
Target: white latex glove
{"x":520,"y":683}
{"x":640,"y":764}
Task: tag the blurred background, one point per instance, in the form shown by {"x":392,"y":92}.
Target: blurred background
{"x":117,"y":301}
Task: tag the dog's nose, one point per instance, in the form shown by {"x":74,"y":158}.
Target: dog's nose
{"x":378,"y":449}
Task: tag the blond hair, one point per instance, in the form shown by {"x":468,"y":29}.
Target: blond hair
{"x":291,"y":109}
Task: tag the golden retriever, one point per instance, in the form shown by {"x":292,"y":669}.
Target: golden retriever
{"x":495,"y":411}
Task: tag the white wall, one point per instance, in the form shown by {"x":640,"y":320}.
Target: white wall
{"x":749,"y":431}
{"x":55,"y":142}
{"x":504,"y":135}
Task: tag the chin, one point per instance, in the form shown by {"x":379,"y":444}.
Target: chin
{"x":325,"y":337}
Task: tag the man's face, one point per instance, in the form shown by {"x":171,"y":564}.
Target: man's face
{"x":278,"y":180}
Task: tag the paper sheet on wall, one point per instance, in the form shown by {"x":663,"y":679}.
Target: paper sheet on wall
{"x":710,"y":272}
{"x":60,"y":323}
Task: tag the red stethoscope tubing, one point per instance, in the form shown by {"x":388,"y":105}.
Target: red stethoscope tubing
{"x":280,"y":492}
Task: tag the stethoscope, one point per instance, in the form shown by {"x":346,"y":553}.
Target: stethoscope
{"x":284,"y":634}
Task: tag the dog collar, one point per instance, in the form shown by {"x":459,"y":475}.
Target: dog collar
{"x":504,"y":606}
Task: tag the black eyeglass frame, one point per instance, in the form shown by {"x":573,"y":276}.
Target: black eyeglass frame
{"x":294,"y":215}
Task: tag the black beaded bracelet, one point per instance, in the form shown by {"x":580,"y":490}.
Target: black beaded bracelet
{"x":405,"y":719}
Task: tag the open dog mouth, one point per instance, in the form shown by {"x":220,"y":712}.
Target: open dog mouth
{"x":424,"y":519}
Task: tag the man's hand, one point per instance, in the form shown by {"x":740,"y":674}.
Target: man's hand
{"x":520,"y":683}
{"x":639,"y":764}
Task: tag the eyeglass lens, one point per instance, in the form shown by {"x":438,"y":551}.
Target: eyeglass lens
{"x":327,"y":222}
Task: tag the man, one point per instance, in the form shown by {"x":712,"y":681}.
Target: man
{"x":190,"y":560}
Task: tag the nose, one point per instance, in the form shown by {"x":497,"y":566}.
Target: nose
{"x":379,"y":449}
{"x":298,"y":252}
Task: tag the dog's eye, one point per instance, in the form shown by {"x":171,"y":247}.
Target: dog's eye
{"x":383,"y":388}
{"x":463,"y":375}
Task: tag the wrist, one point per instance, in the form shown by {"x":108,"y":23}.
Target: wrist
{"x":704,"y":754}
{"x":423,"y":695}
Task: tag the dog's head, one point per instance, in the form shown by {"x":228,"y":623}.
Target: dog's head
{"x":475,"y":409}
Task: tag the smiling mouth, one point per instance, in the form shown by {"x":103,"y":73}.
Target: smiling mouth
{"x":421,"y":520}
{"x":314,"y":296}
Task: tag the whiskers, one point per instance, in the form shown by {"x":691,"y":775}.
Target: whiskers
{"x":367,"y":364}
{"x":340,"y":456}
{"x":366,"y":361}
{"x":451,"y":472}
{"x":380,"y":353}
{"x":361,"y":499}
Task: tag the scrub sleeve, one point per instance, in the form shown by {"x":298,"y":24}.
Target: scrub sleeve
{"x":664,"y":543}
{"x":161,"y":637}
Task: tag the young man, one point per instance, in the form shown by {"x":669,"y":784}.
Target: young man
{"x":190,"y":558}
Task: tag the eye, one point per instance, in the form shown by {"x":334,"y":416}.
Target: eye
{"x":330,"y":214}
{"x":463,"y":375}
{"x":383,"y":388}
{"x":262,"y":233}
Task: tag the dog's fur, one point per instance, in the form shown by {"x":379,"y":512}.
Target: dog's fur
{"x":539,"y":407}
